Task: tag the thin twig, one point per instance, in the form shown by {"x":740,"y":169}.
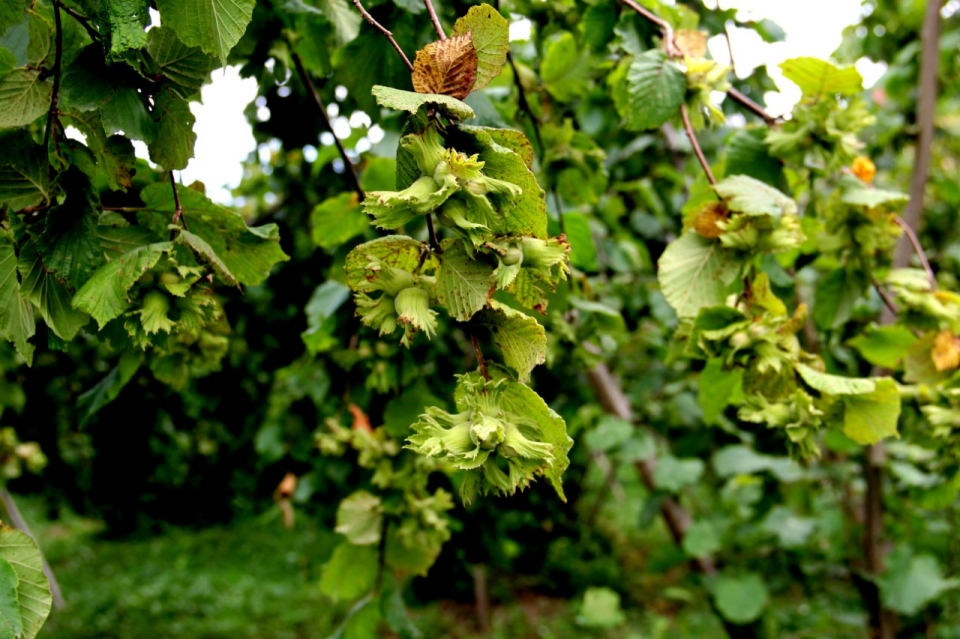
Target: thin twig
{"x":178,"y":209}
{"x":668,"y":42}
{"x":55,"y":98}
{"x":685,"y":115}
{"x":379,"y":27}
{"x":752,"y":106}
{"x":887,"y":301}
{"x":919,"y":249}
{"x":480,"y":361}
{"x":16,"y":518}
{"x":84,"y":22}
{"x":432,"y":232}
{"x":525,"y":105}
{"x":435,"y":19}
{"x":349,"y":169}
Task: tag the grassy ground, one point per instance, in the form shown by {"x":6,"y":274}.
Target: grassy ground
{"x":256,"y":579}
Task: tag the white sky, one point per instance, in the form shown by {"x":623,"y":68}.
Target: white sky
{"x":813,"y":27}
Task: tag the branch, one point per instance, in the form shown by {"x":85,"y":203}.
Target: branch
{"x":349,"y":170}
{"x":435,"y":19}
{"x":674,"y":52}
{"x":480,"y":361}
{"x":525,"y":105}
{"x":178,"y":209}
{"x":891,"y":307}
{"x":55,"y":98}
{"x":379,"y":27}
{"x":751,"y":106}
{"x":696,"y":144}
{"x":84,"y":22}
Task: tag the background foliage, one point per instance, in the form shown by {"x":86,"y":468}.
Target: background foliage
{"x":761,"y":446}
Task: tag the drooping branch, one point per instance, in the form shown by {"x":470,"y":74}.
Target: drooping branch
{"x":481,"y":362}
{"x":386,"y":32}
{"x":348,"y":167}
{"x":435,"y":20}
{"x":177,"y":207}
{"x":688,"y":127}
{"x":54,"y":111}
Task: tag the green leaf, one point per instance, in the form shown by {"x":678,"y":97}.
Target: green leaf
{"x":819,"y":77}
{"x":21,"y":552}
{"x":7,"y":61}
{"x":125,"y":112}
{"x":609,"y":434}
{"x":350,"y":573}
{"x":247,"y":252}
{"x":49,"y":295}
{"x":565,"y":70}
{"x":871,"y":417}
{"x":172,"y":147}
{"x":69,"y":243}
{"x":856,"y":193}
{"x":655,"y":88}
{"x":345,"y":20}
{"x":108,"y":388}
{"x":673,"y":475}
{"x":717,"y":389}
{"x":23,"y":97}
{"x":24,"y":172}
{"x":117,"y":160}
{"x":748,"y":154}
{"x":912,"y":581}
{"x":521,"y":338}
{"x":209,"y":255}
{"x":105,"y":295}
{"x":337,"y":220}
{"x":12,"y":13}
{"x":507,"y":162}
{"x":213,"y":25}
{"x":701,"y":540}
{"x":321,"y":316}
{"x":186,"y":67}
{"x":124,"y":22}
{"x":360,"y":518}
{"x":599,"y":20}
{"x":835,"y":384}
{"x":695,"y":272}
{"x":412,"y":102}
{"x":398,"y":251}
{"x":836,"y":296}
{"x":463,"y":284}
{"x":884,"y":346}
{"x":583,"y":252}
{"x":792,"y":531}
{"x":600,"y":609}
{"x":490,"y":32}
{"x":741,"y":598}
{"x":747,"y":195}
{"x":520,"y":399}
{"x":919,"y":367}
{"x":741,"y":460}
{"x":16,"y":313}
{"x":394,"y":612}
{"x":11,"y":623}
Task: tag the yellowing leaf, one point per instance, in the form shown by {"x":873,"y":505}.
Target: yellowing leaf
{"x":946,"y":351}
{"x":448,"y":67}
{"x":691,"y":42}
{"x":491,"y":40}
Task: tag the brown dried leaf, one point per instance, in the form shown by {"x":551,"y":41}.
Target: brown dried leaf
{"x":692,"y":43}
{"x":448,"y":67}
{"x":706,"y":221}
